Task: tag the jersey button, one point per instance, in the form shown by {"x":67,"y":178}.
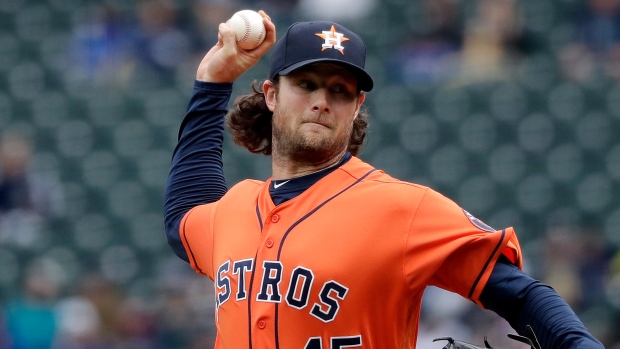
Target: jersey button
{"x":275,"y":218}
{"x":262,"y":324}
{"x":269,"y":243}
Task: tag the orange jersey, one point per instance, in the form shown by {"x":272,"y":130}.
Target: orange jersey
{"x":344,"y":264}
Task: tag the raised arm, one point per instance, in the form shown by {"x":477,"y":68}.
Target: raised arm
{"x":196,"y":175}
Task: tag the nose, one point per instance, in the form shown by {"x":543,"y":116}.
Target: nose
{"x":320,"y":101}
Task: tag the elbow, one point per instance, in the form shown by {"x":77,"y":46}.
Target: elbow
{"x":171,"y":223}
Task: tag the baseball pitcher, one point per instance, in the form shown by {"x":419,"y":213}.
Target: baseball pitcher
{"x":329,"y":252}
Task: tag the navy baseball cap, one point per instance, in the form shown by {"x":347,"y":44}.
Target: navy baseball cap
{"x":310,"y":42}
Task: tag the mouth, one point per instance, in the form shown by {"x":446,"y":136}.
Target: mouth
{"x":317,"y":123}
{"x":318,"y":127}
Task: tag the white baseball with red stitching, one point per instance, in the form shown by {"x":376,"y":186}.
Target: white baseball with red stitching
{"x":248,"y":27}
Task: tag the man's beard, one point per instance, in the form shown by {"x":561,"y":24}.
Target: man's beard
{"x":298,"y":147}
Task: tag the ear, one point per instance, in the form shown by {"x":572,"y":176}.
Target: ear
{"x":360,"y":101}
{"x":269,"y":90}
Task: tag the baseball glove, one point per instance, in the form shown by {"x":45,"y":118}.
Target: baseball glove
{"x":530,"y":340}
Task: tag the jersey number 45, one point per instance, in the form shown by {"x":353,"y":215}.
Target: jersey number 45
{"x":335,"y":342}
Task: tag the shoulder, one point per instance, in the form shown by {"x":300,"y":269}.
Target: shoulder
{"x":241,"y":193}
{"x":378,"y":184}
{"x":245,"y":188}
{"x":245,"y":191}
{"x":367,"y":173}
{"x":248,"y":183}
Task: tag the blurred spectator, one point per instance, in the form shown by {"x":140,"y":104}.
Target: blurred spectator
{"x":107,"y":299}
{"x":79,"y":324}
{"x":431,"y":55}
{"x":595,"y":50}
{"x":493,"y":39}
{"x":577,"y":263}
{"x":160,"y":46}
{"x":30,"y":318}
{"x":595,"y":265}
{"x":455,"y":48}
{"x":102,"y":47}
{"x":562,"y":255}
{"x":28,"y":199}
{"x":599,"y":25}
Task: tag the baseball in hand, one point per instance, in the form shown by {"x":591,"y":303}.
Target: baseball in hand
{"x":248,"y":27}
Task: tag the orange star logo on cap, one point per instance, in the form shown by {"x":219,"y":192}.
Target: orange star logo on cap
{"x":333,"y":39}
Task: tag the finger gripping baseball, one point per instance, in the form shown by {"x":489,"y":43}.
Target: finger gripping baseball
{"x":249,"y":28}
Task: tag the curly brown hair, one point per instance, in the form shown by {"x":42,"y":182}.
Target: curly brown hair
{"x":249,"y":122}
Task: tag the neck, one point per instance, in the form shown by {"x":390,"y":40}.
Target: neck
{"x":285,"y":168}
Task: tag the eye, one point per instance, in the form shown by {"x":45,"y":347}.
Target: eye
{"x":307,"y":85}
{"x":343,"y":91}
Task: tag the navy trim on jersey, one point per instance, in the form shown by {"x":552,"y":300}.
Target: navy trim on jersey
{"x":249,"y":298}
{"x":486,"y":265}
{"x":301,"y":220}
{"x":190,"y":250}
{"x":260,"y":219}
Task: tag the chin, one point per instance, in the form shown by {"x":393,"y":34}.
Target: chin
{"x":317,"y":151}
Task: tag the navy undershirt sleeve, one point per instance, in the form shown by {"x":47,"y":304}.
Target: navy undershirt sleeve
{"x":522,"y":301}
{"x":196,"y":173}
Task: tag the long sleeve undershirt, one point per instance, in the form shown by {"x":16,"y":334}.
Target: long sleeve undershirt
{"x":196,"y":173}
{"x":197,"y":177}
